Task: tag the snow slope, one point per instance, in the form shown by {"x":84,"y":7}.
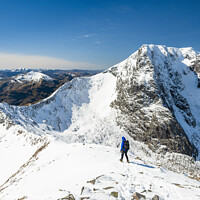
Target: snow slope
{"x":77,"y":109}
{"x":32,"y":77}
{"x":60,"y":170}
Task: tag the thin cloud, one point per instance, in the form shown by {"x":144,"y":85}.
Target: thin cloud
{"x":97,"y":42}
{"x":11,"y":61}
{"x":87,"y":35}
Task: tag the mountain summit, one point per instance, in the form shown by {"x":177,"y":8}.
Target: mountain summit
{"x":151,"y":98}
{"x":157,"y":93}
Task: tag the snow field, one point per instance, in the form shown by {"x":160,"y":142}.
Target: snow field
{"x":63,"y":169}
{"x":16,"y":147}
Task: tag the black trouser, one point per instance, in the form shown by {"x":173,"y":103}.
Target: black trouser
{"x":124,"y":152}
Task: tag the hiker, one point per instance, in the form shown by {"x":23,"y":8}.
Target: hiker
{"x":124,"y":149}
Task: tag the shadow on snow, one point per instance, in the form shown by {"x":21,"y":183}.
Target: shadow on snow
{"x":148,"y":166}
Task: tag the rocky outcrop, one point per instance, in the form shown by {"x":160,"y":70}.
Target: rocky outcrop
{"x":156,"y":197}
{"x":138,"y":196}
{"x":114,"y":194}
{"x":69,"y":197}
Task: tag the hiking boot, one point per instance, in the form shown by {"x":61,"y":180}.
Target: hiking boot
{"x":121,"y":160}
{"x":127,"y":161}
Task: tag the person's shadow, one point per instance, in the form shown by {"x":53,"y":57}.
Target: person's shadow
{"x":148,"y":166}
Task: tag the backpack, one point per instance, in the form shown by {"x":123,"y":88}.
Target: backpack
{"x":126,"y":145}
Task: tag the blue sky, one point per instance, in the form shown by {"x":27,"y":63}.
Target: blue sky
{"x":92,"y":34}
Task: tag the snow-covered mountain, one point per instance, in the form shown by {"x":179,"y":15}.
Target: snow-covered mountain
{"x":151,"y":98}
{"x":158,"y":95}
{"x":33,"y":76}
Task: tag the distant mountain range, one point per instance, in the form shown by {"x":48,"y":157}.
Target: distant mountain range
{"x":28,"y":86}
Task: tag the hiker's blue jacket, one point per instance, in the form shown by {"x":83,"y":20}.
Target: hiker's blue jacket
{"x":122,"y":145}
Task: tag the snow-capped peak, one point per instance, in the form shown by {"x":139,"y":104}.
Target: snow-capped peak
{"x":162,"y":50}
{"x":33,"y":76}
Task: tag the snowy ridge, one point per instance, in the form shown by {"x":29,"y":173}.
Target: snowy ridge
{"x":69,"y":142}
{"x":74,"y":112}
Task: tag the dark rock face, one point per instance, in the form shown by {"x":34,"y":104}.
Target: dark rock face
{"x":147,"y":105}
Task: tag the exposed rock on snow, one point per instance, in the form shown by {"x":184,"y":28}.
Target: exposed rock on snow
{"x":156,"y":197}
{"x":138,"y":196}
{"x":69,"y":197}
{"x":114,"y":194}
